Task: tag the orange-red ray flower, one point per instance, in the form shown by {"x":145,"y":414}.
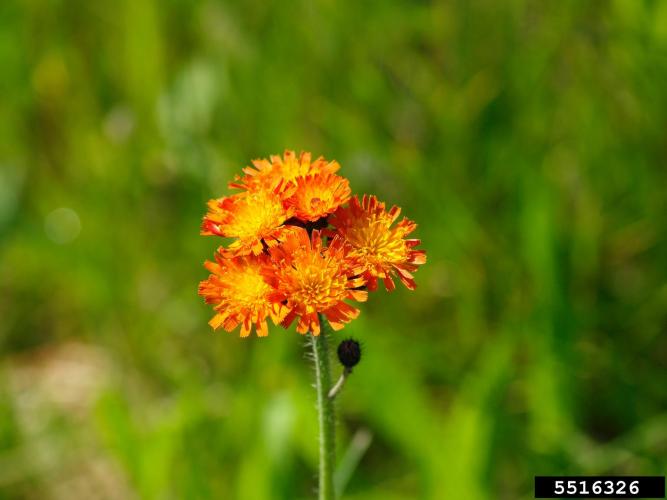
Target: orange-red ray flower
{"x":381,"y":248}
{"x":254,"y":218}
{"x":317,"y":195}
{"x":309,"y":279}
{"x":240,"y":295}
{"x":279,"y":174}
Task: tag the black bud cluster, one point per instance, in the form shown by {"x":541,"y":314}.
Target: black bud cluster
{"x":349,"y":353}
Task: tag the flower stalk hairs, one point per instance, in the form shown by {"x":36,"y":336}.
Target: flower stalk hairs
{"x":303,"y":251}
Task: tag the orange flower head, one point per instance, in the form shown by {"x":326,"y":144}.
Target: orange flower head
{"x":254,"y":218}
{"x":279,"y":264}
{"x":279,"y":174}
{"x":240,"y":295}
{"x":381,"y":248}
{"x":309,"y":279}
{"x":317,"y":195}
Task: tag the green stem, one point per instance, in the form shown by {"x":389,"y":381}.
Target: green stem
{"x":325,"y":410}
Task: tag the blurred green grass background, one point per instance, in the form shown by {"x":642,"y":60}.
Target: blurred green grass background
{"x":529,"y":141}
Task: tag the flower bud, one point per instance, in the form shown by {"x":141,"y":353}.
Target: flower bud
{"x":349,"y":353}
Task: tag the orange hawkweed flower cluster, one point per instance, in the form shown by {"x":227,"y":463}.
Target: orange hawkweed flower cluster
{"x":301,"y":247}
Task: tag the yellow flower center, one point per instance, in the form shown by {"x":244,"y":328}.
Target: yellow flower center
{"x":316,"y":203}
{"x":315,"y":283}
{"x":375,"y":242}
{"x":318,"y":195}
{"x":247,"y":289}
{"x":315,"y":199}
{"x":255,"y":216}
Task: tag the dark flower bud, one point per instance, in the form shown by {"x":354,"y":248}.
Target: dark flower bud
{"x":349,"y":353}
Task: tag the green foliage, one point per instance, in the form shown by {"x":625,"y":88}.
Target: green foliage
{"x":526,"y":138}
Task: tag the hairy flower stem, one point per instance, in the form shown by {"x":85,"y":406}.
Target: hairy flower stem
{"x":325,"y":409}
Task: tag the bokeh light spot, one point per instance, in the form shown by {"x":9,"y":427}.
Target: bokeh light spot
{"x":62,"y":225}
